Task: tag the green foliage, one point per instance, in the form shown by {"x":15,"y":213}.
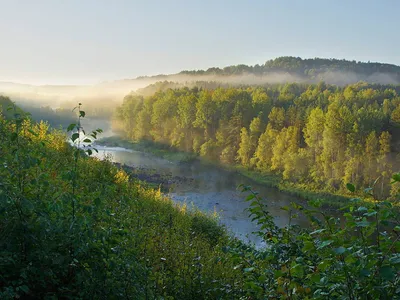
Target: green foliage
{"x":315,"y":136}
{"x":72,"y":226}
{"x":354,"y":256}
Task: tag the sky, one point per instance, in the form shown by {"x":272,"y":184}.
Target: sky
{"x":90,"y":41}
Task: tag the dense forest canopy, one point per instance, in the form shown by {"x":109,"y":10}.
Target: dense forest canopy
{"x":316,"y":136}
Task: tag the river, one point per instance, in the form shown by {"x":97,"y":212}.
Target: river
{"x":210,"y":188}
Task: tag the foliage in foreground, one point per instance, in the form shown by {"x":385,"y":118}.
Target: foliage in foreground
{"x":354,"y":256}
{"x":75,"y":227}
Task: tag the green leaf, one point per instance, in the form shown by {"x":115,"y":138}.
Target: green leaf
{"x":71,"y":127}
{"x":14,"y":136}
{"x":315,"y":203}
{"x":370,"y":214}
{"x":278,"y":273}
{"x":297,"y":270}
{"x":325,"y":244}
{"x":97,"y":201}
{"x":365,"y":272}
{"x":315,"y":277}
{"x":396,"y":177}
{"x":387,"y":273}
{"x":75,"y":136}
{"x":87,"y":140}
{"x":340,"y":250}
{"x":323,"y":265}
{"x":318,"y":231}
{"x":82,"y":114}
{"x":362,"y":208}
{"x":363,"y":223}
{"x":351,"y":187}
{"x":24,"y":288}
{"x":395,"y":259}
{"x":250,"y":197}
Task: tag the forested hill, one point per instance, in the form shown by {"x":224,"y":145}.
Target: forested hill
{"x":332,"y":71}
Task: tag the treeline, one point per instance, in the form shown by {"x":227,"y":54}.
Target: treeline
{"x":318,"y":137}
{"x":314,"y":69}
{"x":5,"y":103}
{"x":56,"y":118}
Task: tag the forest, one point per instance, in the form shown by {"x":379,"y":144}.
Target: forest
{"x":313,"y":136}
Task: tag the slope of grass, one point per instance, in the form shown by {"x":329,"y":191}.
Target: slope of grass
{"x":72,"y":226}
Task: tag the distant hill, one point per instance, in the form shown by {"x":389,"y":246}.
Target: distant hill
{"x":333,"y":71}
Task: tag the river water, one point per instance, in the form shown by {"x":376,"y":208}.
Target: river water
{"x":211,"y":189}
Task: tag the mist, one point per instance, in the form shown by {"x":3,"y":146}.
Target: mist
{"x":101,"y":99}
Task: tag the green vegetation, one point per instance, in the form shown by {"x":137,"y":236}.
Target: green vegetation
{"x":75,"y":227}
{"x":56,"y":118}
{"x":314,"y":138}
{"x":72,"y":226}
{"x":5,"y":103}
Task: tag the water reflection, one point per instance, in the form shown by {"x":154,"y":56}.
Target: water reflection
{"x":212,"y":189}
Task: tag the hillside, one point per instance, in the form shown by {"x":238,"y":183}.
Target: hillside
{"x":72,"y":226}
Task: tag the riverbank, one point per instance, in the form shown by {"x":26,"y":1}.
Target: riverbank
{"x":327,"y":199}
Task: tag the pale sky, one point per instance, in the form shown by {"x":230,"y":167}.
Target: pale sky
{"x":89,"y":41}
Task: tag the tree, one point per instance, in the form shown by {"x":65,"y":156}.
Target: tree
{"x":385,"y":167}
{"x":263,"y":154}
{"x":206,"y":114}
{"x":277,"y":118}
{"x":371,"y":154}
{"x":244,"y":152}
